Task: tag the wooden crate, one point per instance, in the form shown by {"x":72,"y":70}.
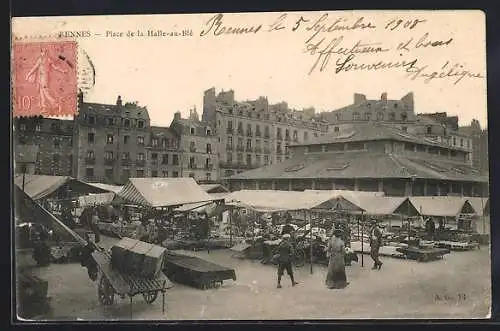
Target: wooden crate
{"x":153,"y":261}
{"x":121,"y":255}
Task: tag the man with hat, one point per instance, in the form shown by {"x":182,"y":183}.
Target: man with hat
{"x":375,"y":243}
{"x":285,"y":252}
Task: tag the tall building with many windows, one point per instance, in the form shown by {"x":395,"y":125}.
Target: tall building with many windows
{"x":255,"y":133}
{"x":163,"y":153}
{"x":199,"y":147}
{"x":111,"y":141}
{"x":50,"y":139}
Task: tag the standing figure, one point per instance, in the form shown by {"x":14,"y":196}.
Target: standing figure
{"x":285,"y":252}
{"x":375,"y":243}
{"x":40,"y":74}
{"x":336,"y":277}
{"x":94,"y":225}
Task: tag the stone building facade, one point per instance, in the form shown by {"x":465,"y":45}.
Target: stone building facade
{"x":52,"y":142}
{"x":198,"y":146}
{"x":110,"y":142}
{"x":255,"y":133}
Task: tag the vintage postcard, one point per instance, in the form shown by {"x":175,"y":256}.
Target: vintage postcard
{"x":251,"y":166}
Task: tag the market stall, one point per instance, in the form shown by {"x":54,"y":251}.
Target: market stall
{"x":272,"y":201}
{"x":454,"y":216}
{"x":159,"y":198}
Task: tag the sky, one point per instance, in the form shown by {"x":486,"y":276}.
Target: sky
{"x":169,"y":74}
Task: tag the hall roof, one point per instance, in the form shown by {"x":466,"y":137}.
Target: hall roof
{"x":362,"y":165}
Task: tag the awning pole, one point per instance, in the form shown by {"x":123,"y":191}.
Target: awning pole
{"x":311,"y":243}
{"x":231,"y":227}
{"x":362,"y":240}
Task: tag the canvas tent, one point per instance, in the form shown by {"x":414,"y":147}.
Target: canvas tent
{"x":442,"y":206}
{"x":110,"y":188}
{"x":214,"y":188}
{"x":275,"y":201}
{"x":95,"y":199}
{"x":480,"y":205}
{"x":381,"y":206}
{"x":163,"y":192}
{"x":27,"y":210}
{"x":41,"y":187}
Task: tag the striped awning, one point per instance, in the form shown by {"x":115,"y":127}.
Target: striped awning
{"x":163,"y":192}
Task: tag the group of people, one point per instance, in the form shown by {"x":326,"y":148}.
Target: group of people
{"x":336,"y":276}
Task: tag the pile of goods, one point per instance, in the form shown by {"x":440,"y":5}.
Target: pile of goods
{"x":138,"y":258}
{"x":117,"y":230}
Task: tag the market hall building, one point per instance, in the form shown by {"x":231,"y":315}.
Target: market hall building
{"x":371,"y":157}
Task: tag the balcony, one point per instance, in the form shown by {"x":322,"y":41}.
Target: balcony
{"x":192,"y":149}
{"x":266,"y":135}
{"x":209,"y":166}
{"x":249,"y":149}
{"x":295,"y":140}
{"x":240,"y":149}
{"x":230,"y":131}
{"x":241,"y":133}
{"x":257,"y":133}
{"x":90,"y":160}
{"x":229,"y":147}
{"x":287,"y":138}
{"x":258,"y":150}
{"x":249,"y":134}
{"x":154,"y":163}
{"x":192,"y":166}
{"x":140,"y":163}
{"x":125,"y":162}
{"x":109,"y":162}
{"x":279,"y":137}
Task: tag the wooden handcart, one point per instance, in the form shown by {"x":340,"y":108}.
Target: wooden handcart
{"x":111,"y":282}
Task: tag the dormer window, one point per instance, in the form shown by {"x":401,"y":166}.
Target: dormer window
{"x":126,"y":123}
{"x":209,"y":132}
{"x":140,"y":124}
{"x":91,"y":119}
{"x":192,"y":130}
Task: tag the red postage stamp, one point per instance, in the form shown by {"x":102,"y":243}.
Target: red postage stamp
{"x":44,"y":78}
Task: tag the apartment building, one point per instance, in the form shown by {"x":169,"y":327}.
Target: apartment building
{"x":255,"y":133}
{"x":198,"y":147}
{"x":51,"y":140}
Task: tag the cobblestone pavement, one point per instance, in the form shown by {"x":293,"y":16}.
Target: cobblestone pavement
{"x":456,"y":287}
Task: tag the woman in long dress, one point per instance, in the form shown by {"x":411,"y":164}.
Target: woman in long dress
{"x":336,"y":277}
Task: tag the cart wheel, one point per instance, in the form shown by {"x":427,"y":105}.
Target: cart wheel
{"x":105,"y":293}
{"x":150,"y":297}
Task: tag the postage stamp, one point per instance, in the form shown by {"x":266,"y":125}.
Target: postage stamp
{"x":44,"y":78}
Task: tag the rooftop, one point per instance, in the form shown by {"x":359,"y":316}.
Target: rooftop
{"x":371,"y":132}
{"x":362,"y":165}
{"x":130,"y":109}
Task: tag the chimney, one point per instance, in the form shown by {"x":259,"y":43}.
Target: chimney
{"x":119,"y":101}
{"x":359,"y":98}
{"x":80,"y":97}
{"x":177,"y":116}
{"x":383,"y":97}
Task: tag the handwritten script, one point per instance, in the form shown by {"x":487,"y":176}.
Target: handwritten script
{"x":341,"y":45}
